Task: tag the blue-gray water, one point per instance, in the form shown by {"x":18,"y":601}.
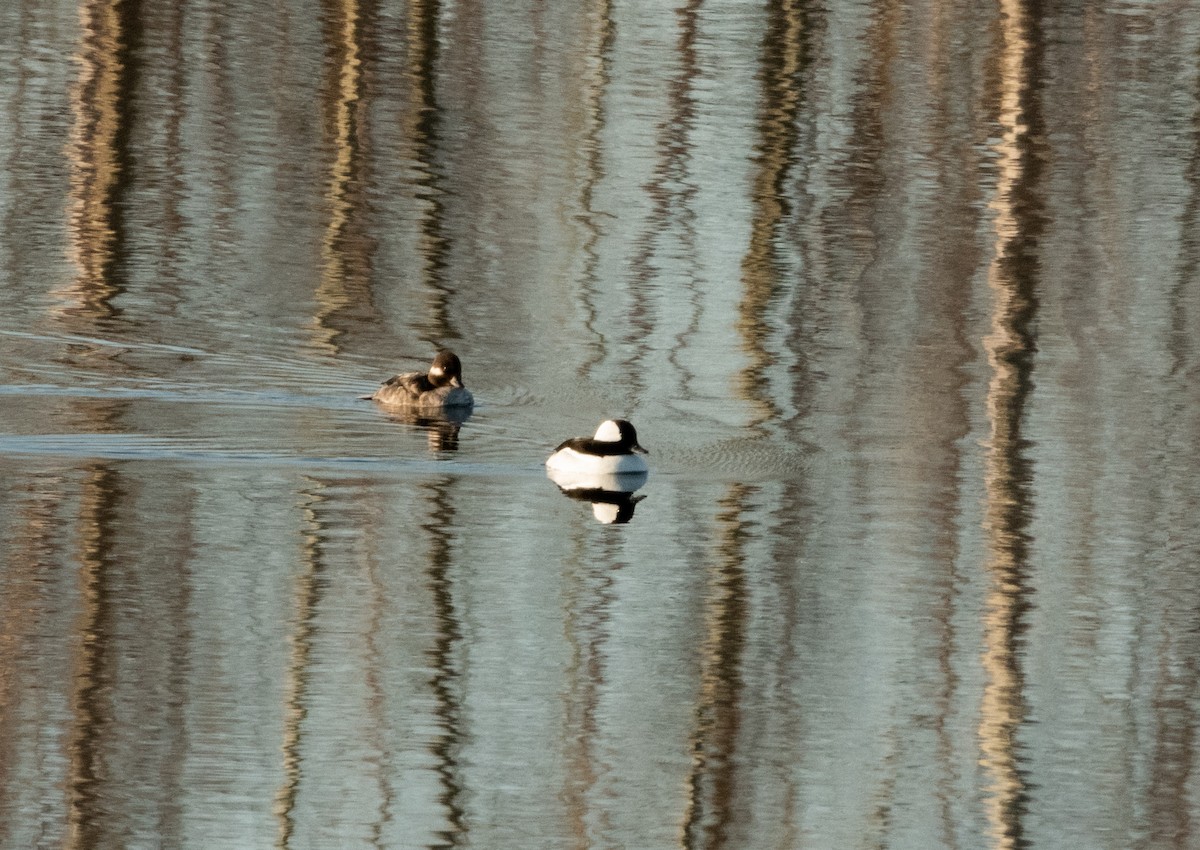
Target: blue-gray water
{"x":904,"y":299}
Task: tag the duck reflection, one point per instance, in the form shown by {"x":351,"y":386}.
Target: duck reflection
{"x":441,"y":427}
{"x":612,"y":494}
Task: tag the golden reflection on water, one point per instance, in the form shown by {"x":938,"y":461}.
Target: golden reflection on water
{"x":347,"y":249}
{"x":712,"y":783}
{"x":101,"y":503}
{"x":783,"y":60}
{"x":445,"y":681}
{"x":671,"y":191}
{"x":297,"y":674}
{"x":422,"y":140}
{"x":589,"y":601}
{"x":595,"y":58}
{"x":98,"y":157}
{"x":93,"y":666}
{"x":1010,"y":348}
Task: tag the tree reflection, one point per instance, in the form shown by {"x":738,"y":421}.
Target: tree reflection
{"x":1010,"y":347}
{"x":99,"y":154}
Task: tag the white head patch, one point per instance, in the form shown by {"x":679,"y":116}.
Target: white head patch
{"x":608,"y":431}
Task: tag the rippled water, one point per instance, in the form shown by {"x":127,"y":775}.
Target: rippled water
{"x":904,"y":299}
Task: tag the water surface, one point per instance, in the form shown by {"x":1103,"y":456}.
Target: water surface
{"x":903,"y":298}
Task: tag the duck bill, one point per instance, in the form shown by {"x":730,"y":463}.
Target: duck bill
{"x":456,"y":382}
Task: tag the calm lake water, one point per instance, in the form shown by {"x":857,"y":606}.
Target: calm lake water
{"x":903,"y":297}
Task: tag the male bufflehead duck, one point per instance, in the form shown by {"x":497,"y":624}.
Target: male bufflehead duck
{"x":610,"y":452}
{"x":441,"y":387}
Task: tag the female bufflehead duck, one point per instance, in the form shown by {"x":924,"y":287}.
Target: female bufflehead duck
{"x":440,"y":387}
{"x":610,"y":452}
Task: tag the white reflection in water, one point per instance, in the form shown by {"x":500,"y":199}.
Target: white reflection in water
{"x":611,"y":496}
